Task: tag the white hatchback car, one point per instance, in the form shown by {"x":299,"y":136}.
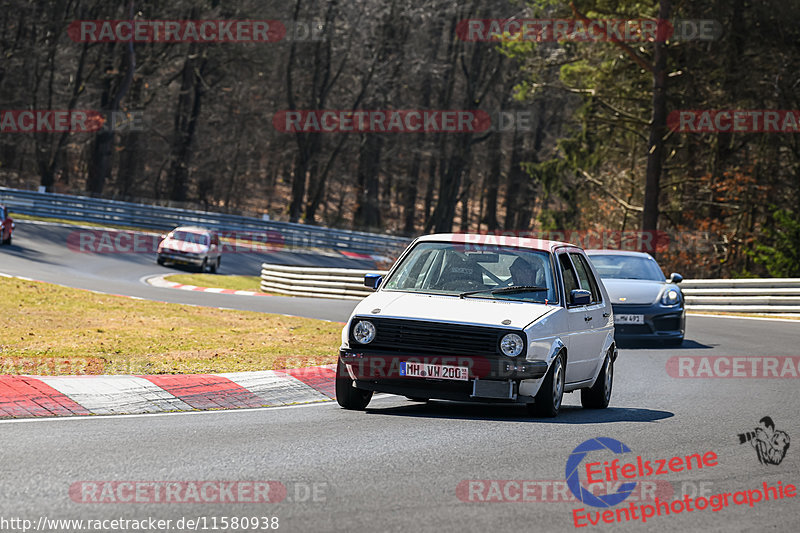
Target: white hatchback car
{"x":190,"y":245}
{"x":482,"y":318}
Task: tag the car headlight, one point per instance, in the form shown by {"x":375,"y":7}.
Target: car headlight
{"x":671,"y":297}
{"x":511,"y":345}
{"x":364,"y":332}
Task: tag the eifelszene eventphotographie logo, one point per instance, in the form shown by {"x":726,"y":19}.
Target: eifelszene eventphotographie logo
{"x":770,"y":444}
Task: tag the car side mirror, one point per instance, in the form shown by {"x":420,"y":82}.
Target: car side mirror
{"x":163,"y":236}
{"x":373,"y":281}
{"x":580,"y":297}
{"x":675,"y":278}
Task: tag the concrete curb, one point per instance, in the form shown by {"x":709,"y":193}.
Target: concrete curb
{"x":47,"y":396}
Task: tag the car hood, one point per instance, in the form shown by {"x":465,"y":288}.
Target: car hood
{"x":633,"y":291}
{"x":183,"y":246}
{"x":475,"y":311}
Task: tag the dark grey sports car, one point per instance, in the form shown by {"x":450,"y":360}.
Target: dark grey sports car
{"x":646,"y":306}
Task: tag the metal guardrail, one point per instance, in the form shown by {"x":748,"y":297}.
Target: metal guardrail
{"x":340,"y":283}
{"x":85,"y":209}
{"x":761,"y":295}
{"x":711,"y":295}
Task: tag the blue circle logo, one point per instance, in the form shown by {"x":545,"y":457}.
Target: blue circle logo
{"x":574,"y":481}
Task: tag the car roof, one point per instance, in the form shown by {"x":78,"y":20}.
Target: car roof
{"x":192,"y":229}
{"x":629,"y":253}
{"x":496,"y":240}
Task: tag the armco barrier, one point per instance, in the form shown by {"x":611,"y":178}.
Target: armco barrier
{"x":762,"y":295}
{"x":341,"y":283}
{"x":84,"y":209}
{"x":712,"y":295}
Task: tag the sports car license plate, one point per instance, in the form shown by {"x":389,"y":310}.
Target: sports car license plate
{"x":421,"y":370}
{"x":628,"y":319}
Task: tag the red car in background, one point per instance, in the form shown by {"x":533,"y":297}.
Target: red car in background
{"x":6,"y":226}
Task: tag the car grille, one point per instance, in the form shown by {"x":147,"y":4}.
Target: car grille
{"x":633,"y":329}
{"x":429,"y":337}
{"x":669,"y":323}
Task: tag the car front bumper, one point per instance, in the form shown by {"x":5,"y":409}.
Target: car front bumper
{"x":183,"y":259}
{"x":660,"y":323}
{"x":491,"y":378}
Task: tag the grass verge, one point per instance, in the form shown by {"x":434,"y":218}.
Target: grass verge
{"x":52,"y":330}
{"x":239,"y":283}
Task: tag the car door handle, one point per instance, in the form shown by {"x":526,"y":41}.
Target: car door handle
{"x":587,"y":318}
{"x":606,"y":315}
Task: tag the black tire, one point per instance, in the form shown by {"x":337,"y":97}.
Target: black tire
{"x":348,"y":396}
{"x":160,"y":260}
{"x":599,"y":395}
{"x":203,"y":267}
{"x":216,"y":265}
{"x":7,"y":241}
{"x":551,"y":393}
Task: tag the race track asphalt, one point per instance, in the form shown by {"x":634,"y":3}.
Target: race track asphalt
{"x":398,"y":466}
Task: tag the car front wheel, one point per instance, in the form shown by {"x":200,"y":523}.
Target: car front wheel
{"x":348,"y":396}
{"x":599,"y":395}
{"x":551,"y":393}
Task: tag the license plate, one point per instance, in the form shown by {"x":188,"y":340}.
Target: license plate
{"x":422,"y":370}
{"x":628,"y":319}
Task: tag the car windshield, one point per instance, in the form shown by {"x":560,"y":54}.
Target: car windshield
{"x":461,"y":270}
{"x":188,"y":236}
{"x":615,"y":266}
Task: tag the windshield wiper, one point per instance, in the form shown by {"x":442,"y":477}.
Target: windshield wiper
{"x":507,"y":290}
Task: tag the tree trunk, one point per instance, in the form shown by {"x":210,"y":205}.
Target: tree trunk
{"x":368,"y":212}
{"x":187,"y":114}
{"x":658,"y":128}
{"x":493,"y":182}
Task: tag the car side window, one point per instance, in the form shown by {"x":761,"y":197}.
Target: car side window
{"x":585,"y":276}
{"x":568,"y":275}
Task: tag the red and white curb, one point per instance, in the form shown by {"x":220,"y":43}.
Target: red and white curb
{"x":40,"y":396}
{"x":373,"y":257}
{"x":160,"y":281}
